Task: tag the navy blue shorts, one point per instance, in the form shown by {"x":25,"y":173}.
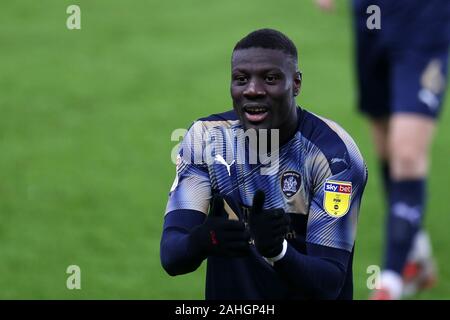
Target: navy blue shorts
{"x":393,"y":78}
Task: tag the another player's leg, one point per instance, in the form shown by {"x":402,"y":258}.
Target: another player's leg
{"x":380,"y":130}
{"x":408,"y":141}
{"x":380,"y":135}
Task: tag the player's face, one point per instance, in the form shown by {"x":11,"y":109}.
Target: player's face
{"x":264,"y":83}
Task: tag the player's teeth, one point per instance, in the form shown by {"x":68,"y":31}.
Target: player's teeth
{"x":256,"y":110}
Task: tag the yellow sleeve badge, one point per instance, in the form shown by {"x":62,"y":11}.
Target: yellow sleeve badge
{"x":337,"y":197}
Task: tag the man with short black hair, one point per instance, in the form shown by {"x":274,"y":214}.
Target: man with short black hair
{"x":268,"y":193}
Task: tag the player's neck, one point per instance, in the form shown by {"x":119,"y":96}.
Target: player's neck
{"x":289,"y":128}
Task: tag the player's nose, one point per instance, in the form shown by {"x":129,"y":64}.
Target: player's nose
{"x":254,"y":89}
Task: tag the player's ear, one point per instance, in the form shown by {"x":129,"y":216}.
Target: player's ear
{"x":297,"y":83}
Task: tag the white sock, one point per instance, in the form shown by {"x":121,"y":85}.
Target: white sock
{"x":393,"y":282}
{"x":421,"y":248}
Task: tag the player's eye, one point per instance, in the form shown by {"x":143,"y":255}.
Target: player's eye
{"x":271,"y":78}
{"x":240,"y":79}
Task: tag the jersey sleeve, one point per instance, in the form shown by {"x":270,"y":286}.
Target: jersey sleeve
{"x":191,"y":189}
{"x":336,"y":197}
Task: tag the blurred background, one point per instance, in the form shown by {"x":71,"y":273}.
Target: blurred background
{"x":86,"y":118}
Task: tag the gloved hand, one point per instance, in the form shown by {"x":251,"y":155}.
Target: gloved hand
{"x":219,"y":236}
{"x":267,"y":227}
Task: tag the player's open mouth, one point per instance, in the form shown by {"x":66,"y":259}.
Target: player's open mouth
{"x":256,"y":113}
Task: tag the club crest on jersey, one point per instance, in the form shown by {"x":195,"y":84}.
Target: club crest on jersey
{"x":290,"y":183}
{"x":337,"y":197}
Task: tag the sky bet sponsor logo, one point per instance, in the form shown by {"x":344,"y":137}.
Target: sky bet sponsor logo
{"x":337,"y":197}
{"x":341,"y":188}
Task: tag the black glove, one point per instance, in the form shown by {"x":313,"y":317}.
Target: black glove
{"x":267,"y":227}
{"x":219,"y":236}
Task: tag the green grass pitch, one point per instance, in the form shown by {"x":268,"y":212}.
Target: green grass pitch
{"x":85,"y":123}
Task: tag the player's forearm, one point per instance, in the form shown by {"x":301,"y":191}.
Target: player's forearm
{"x":316,"y":277}
{"x":176,"y":253}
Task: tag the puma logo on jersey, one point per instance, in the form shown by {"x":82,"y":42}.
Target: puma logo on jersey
{"x":337,"y":160}
{"x":221,"y":160}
